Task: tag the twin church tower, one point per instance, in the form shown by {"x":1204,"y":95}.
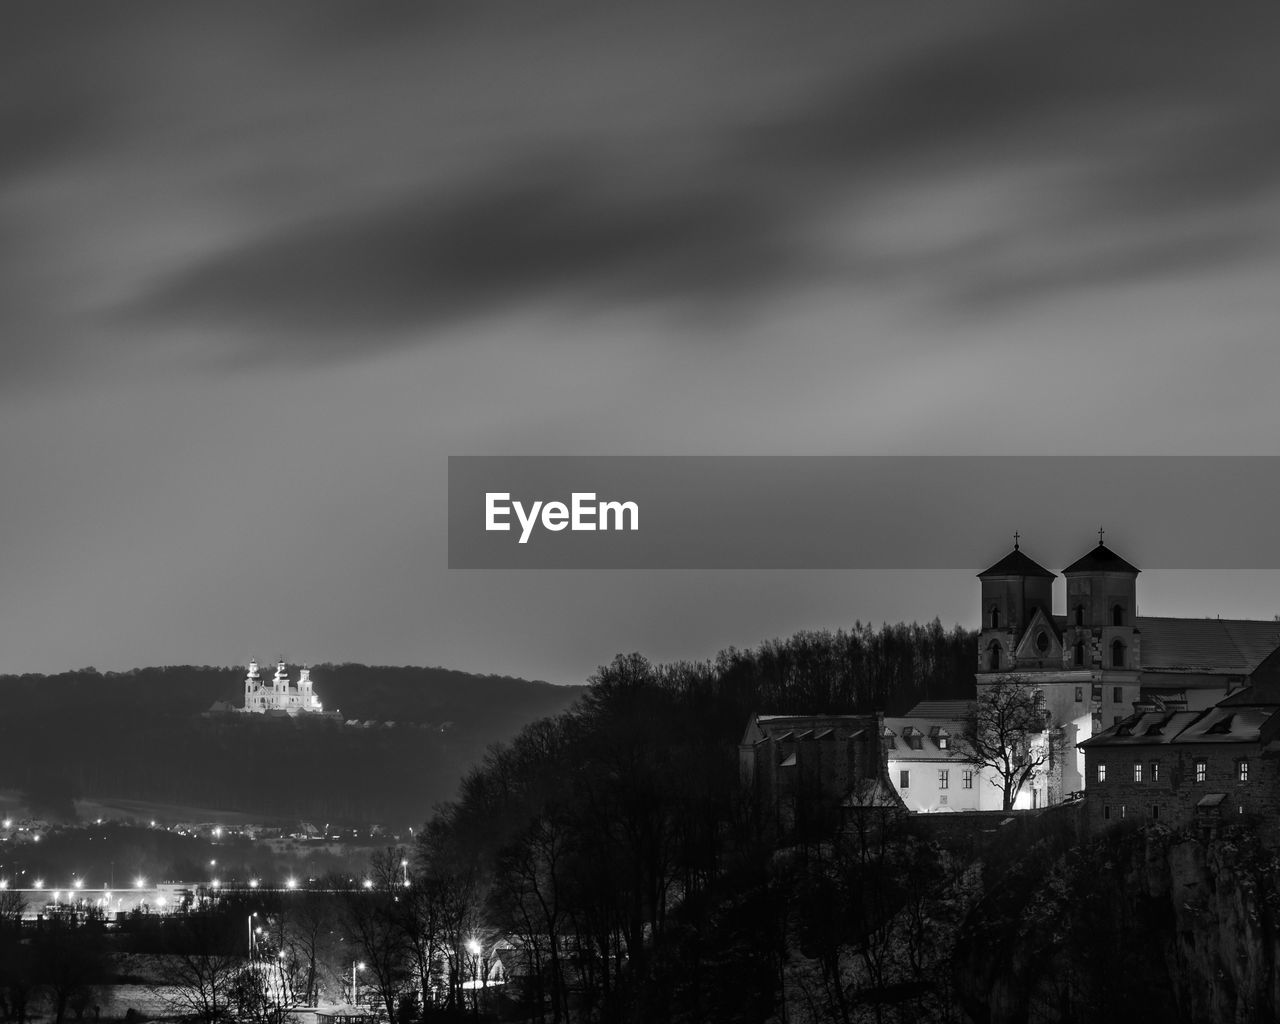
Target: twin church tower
{"x":1087,"y":661}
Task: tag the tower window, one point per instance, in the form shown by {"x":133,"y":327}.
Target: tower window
{"x":1117,"y":654}
{"x":1079,"y":652}
{"x":1079,"y":694}
{"x":995,"y":617}
{"x":1079,"y":610}
{"x":993,"y":656}
{"x":1042,"y":641}
{"x":1117,"y":615}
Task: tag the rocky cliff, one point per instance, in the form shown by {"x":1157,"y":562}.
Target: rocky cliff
{"x":1137,"y":925}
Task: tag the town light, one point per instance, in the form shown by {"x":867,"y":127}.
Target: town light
{"x":38,"y":883}
{"x":253,"y":883}
{"x":139,"y":882}
{"x":291,"y":883}
{"x":473,"y":947}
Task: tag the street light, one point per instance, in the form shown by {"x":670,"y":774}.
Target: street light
{"x":473,"y":947}
{"x":404,"y":865}
{"x":355,"y":966}
{"x":250,"y":928}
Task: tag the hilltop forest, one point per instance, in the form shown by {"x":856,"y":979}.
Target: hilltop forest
{"x":143,"y":736}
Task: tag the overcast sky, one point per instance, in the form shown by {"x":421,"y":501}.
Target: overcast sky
{"x":264,"y":267}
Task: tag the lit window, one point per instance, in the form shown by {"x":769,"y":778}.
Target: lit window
{"x":1137,"y":772}
{"x":968,"y":778}
{"x":1242,"y":771}
{"x":1102,"y":773}
{"x":904,"y":780}
{"x":1201,"y":771}
{"x":1122,"y":809}
{"x":944,"y":778}
{"x":1155,"y":771}
{"x":943,"y":742}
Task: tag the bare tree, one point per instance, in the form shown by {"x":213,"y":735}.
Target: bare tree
{"x":1009,"y":734}
{"x":15,"y":957}
{"x":201,"y":971}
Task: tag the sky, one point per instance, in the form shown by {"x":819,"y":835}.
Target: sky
{"x":264,"y":268}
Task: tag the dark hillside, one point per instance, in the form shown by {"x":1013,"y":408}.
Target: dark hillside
{"x":143,"y":735}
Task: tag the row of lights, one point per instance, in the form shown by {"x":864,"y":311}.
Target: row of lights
{"x":141,"y":883}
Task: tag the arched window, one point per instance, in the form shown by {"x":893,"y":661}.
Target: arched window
{"x":1117,"y":654}
{"x":1079,"y":653}
{"x":1117,"y":615}
{"x":1079,"y":615}
{"x":993,"y":656}
{"x":995,"y":617}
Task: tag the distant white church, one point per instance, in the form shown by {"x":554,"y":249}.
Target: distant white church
{"x":280,"y":695}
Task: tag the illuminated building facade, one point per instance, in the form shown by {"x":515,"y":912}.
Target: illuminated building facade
{"x":280,"y":694}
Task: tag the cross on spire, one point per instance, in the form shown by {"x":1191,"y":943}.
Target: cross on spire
{"x":1101,"y":531}
{"x":1016,"y":535}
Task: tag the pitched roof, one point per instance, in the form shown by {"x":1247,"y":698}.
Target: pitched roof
{"x":944,"y":709}
{"x":802,"y":727}
{"x":1214,"y":725}
{"x":1232,"y":646}
{"x":1101,"y":559}
{"x":1015,"y":563}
